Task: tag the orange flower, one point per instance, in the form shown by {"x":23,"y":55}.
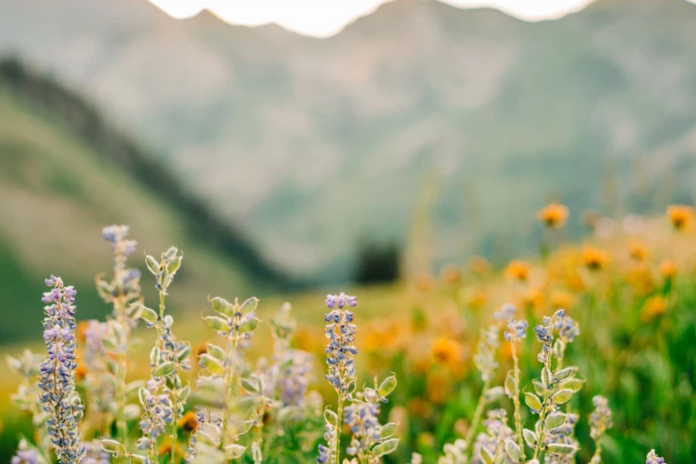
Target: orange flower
{"x":188,"y":422}
{"x":81,"y":329}
{"x":451,"y":275}
{"x":518,"y":270}
{"x":668,"y":269}
{"x":81,"y":371}
{"x":166,"y":449}
{"x":553,"y":215}
{"x":681,"y":216}
{"x":653,"y":307}
{"x":641,"y":279}
{"x":446,"y":351}
{"x":479,"y":265}
{"x":424,"y":282}
{"x":594,"y":259}
{"x":533,"y":298}
{"x":637,"y":250}
{"x":561,"y":299}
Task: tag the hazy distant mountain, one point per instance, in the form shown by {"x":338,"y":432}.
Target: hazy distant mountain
{"x":64,"y":174}
{"x":311,"y":144}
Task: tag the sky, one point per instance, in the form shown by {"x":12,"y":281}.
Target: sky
{"x":323,"y":18}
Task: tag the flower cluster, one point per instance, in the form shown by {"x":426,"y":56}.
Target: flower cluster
{"x":157,"y":413}
{"x":340,"y":331}
{"x":60,"y":400}
{"x":654,"y":458}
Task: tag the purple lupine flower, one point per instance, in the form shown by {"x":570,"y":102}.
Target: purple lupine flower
{"x":158,"y":412}
{"x":340,"y":350}
{"x":654,"y":458}
{"x":27,"y":455}
{"x":60,"y":400}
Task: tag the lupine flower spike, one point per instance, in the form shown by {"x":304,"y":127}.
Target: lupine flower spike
{"x":60,"y":400}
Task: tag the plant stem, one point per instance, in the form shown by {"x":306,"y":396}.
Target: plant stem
{"x":477,"y":416}
{"x":339,"y":415}
{"x":542,"y":414}
{"x":516,"y":396}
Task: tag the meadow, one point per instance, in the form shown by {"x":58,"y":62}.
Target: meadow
{"x":584,"y":353}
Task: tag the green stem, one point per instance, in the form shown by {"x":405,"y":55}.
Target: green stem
{"x":477,"y":416}
{"x":542,"y":414}
{"x":339,"y":415}
{"x":516,"y":397}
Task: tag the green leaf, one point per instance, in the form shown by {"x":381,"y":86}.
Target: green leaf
{"x":217,"y":323}
{"x":222,"y":306}
{"x":387,"y":386}
{"x":532,"y":401}
{"x":213,"y":365}
{"x":149,"y":315}
{"x":493,"y":394}
{"x":250,"y":386}
{"x":530,"y":437}
{"x":163,"y":369}
{"x":184,"y":353}
{"x":388,"y":430}
{"x":572,"y":384}
{"x":539,"y":387}
{"x":234,"y":451}
{"x":216,"y":352}
{"x":249,"y":306}
{"x":486,"y":455}
{"x":510,"y":384}
{"x":386,"y":447}
{"x":555,"y":420}
{"x":512,"y":450}
{"x":546,"y":377}
{"x":152,"y":264}
{"x":111,"y":446}
{"x":330,"y":417}
{"x":174,"y":265}
{"x":562,"y":396}
{"x":249,"y":325}
{"x":559,"y":448}
{"x":565,"y":373}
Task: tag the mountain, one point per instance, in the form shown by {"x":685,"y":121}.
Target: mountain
{"x":310,"y":144}
{"x":64,"y":174}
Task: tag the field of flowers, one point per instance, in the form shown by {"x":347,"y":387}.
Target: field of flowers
{"x":586,"y":353}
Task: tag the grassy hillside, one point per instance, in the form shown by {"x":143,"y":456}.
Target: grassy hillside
{"x":60,"y":186}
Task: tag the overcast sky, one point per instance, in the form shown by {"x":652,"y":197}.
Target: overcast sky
{"x":327,"y":17}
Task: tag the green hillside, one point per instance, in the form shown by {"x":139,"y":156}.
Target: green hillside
{"x":63,"y":176}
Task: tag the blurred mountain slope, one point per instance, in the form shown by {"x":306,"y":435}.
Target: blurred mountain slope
{"x":59,"y":187}
{"x":310,"y":144}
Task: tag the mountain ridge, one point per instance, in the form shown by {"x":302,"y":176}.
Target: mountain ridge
{"x":310,"y":144}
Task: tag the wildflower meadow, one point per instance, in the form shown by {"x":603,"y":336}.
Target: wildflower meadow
{"x":584,"y":353}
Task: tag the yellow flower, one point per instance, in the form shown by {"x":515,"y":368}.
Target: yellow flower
{"x":533,"y":298}
{"x":594,"y":258}
{"x":561,"y":299}
{"x":451,"y":275}
{"x":637,"y":250}
{"x":446,"y":351}
{"x":518,"y":270}
{"x":188,"y":422}
{"x":668,"y":269}
{"x":681,"y":216}
{"x":653,"y":307}
{"x":553,"y":215}
{"x":424,"y":282}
